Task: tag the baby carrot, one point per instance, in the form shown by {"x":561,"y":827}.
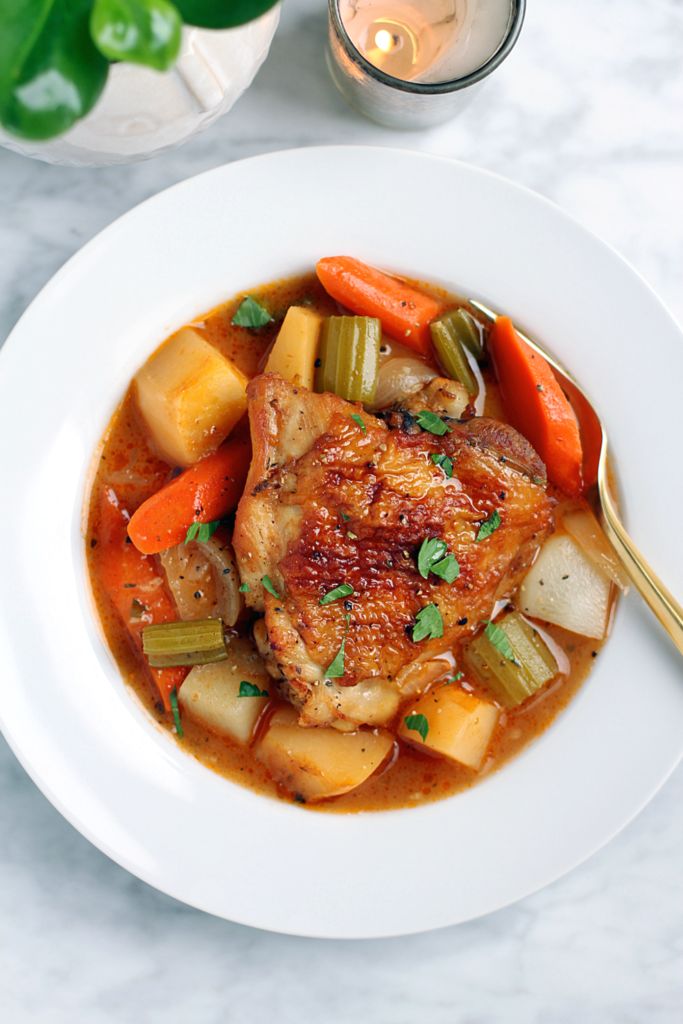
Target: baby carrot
{"x":405,"y":313}
{"x":201,"y":494}
{"x":134,"y":587}
{"x":537,"y":405}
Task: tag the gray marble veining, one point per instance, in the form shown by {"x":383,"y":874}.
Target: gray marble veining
{"x":588,"y":110}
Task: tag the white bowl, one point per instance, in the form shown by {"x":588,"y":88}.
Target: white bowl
{"x":143,"y":113}
{"x":63,"y":705}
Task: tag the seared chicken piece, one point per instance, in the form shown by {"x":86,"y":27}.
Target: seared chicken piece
{"x":327,"y":502}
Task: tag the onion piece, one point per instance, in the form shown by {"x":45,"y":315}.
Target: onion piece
{"x":397,"y":378}
{"x":203,"y":579}
{"x":565,"y":586}
{"x":582,"y":525}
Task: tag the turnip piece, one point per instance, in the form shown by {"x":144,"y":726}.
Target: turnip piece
{"x":564,"y":586}
{"x":210,"y":693}
{"x":190,"y":396}
{"x":582,"y":525}
{"x":319,"y":763}
{"x":296,"y":347}
{"x":459,"y":725}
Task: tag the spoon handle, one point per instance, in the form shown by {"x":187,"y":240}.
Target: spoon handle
{"x":647,"y":583}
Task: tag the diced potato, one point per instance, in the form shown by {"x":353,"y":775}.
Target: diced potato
{"x":566,"y":587}
{"x":190,"y":397}
{"x":296,"y":346}
{"x":460,"y":725}
{"x":318,"y":763}
{"x":210,"y":693}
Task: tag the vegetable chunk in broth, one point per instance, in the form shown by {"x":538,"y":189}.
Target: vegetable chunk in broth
{"x":326,"y":542}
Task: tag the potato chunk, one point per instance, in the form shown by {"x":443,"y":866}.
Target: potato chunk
{"x":318,"y":763}
{"x":460,"y":725}
{"x":210,"y":693}
{"x":296,"y":346}
{"x":190,"y":397}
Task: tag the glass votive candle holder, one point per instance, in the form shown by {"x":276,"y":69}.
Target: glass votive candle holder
{"x":414,"y":45}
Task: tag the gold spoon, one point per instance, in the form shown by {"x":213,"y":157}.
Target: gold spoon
{"x":646,"y":582}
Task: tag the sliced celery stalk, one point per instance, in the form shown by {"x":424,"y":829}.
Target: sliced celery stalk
{"x":349,"y":357}
{"x":198,"y":642}
{"x":463,"y":326}
{"x":512,"y":682}
{"x":452,"y":355}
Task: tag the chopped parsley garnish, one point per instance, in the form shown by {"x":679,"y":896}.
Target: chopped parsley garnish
{"x":251,"y":314}
{"x":431,"y":559}
{"x":345,"y":518}
{"x":428,"y":624}
{"x":202,"y":531}
{"x":251,"y":690}
{"x":539,"y":481}
{"x":457,"y":677}
{"x":487,"y":528}
{"x":419,"y":723}
{"x":345,"y":590}
{"x":499,"y":640}
{"x":359,"y":420}
{"x":431,"y":422}
{"x":443,"y":462}
{"x":448,"y":568}
{"x":265,"y":580}
{"x":245,"y":588}
{"x":173,"y":697}
{"x":336,"y":669}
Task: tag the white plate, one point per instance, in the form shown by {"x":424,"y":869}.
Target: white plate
{"x":64,"y":708}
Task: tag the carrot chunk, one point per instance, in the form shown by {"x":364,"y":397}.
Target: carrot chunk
{"x":201,"y":494}
{"x":537,"y":406}
{"x":405,"y":313}
{"x":134,"y":586}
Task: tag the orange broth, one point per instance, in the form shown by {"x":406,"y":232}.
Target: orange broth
{"x":410,"y":777}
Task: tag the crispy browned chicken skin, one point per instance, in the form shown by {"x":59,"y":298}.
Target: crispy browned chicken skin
{"x":327,"y":503}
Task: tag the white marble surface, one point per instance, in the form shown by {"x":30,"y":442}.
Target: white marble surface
{"x":588,"y":111}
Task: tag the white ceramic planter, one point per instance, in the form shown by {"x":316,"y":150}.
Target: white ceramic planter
{"x":142,"y":112}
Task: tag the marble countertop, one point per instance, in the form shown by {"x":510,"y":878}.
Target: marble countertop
{"x":588,"y":111}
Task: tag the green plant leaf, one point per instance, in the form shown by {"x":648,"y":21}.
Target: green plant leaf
{"x":491,"y":524}
{"x":202,"y":531}
{"x":251,"y":314}
{"x":419,"y":723}
{"x":359,"y":420}
{"x":443,"y":462}
{"x":225,"y":14}
{"x":251,"y":690}
{"x":245,"y":588}
{"x":428,"y":624}
{"x":431,"y":422}
{"x":431,"y":551}
{"x":499,"y":640}
{"x":448,"y":568}
{"x":173,"y":698}
{"x":336,"y":668}
{"x":51,"y":73}
{"x":345,"y":590}
{"x":267,"y":585}
{"x":140,"y":31}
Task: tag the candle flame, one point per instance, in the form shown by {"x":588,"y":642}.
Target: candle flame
{"x":384,"y":40}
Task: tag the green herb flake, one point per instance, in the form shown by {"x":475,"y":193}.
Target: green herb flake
{"x":428,"y":624}
{"x":265,"y":580}
{"x":202,"y":531}
{"x":251,"y":690}
{"x":499,"y":640}
{"x":448,"y":568}
{"x":245,"y":588}
{"x":336,"y":669}
{"x":344,"y":518}
{"x":173,"y":697}
{"x":443,"y":462}
{"x":345,"y":590}
{"x":359,"y":420}
{"x":456,"y":678}
{"x":251,"y":314}
{"x":352,"y":536}
{"x":431,"y":422}
{"x":419,"y":724}
{"x":487,"y":528}
{"x":539,"y":481}
{"x":431,"y":552}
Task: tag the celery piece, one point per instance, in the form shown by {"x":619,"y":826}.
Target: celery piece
{"x":452,"y":355}
{"x":463,"y":326}
{"x":198,"y":642}
{"x":512,"y":681}
{"x":349,"y":357}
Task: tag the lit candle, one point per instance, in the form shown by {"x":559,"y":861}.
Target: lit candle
{"x":426,"y":41}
